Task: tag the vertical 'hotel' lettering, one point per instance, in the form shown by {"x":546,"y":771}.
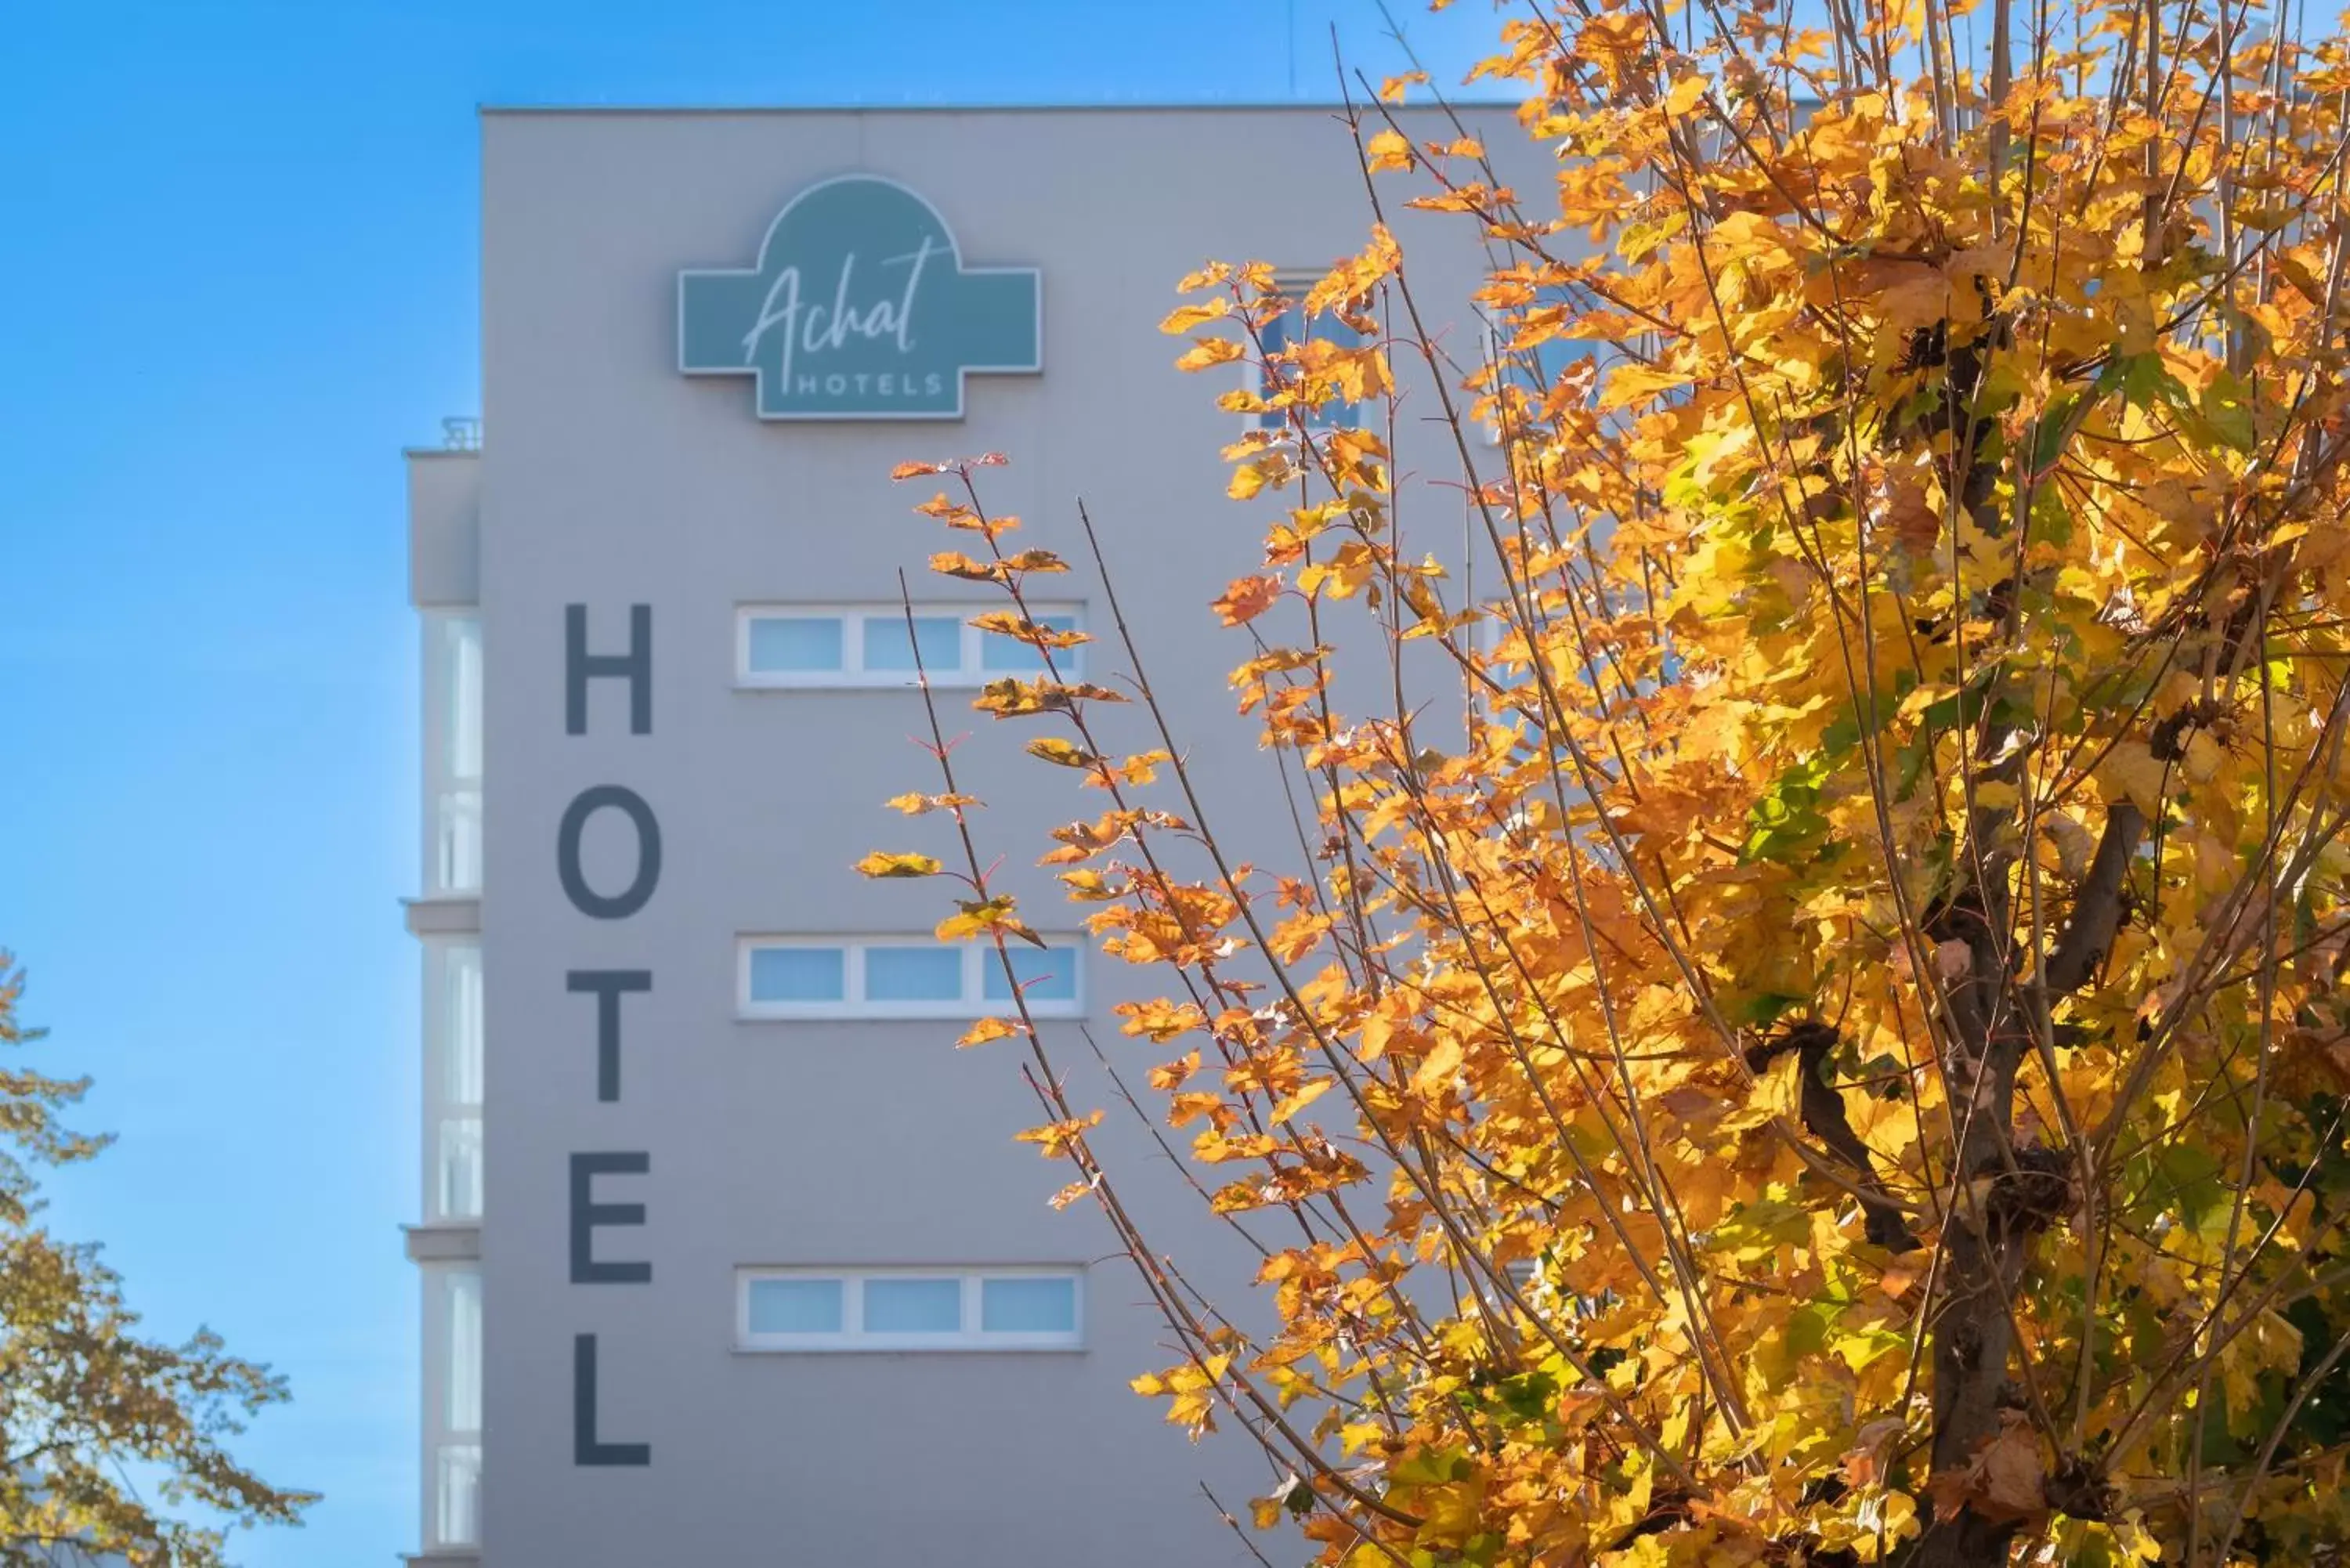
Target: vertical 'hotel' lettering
{"x":609,"y":987}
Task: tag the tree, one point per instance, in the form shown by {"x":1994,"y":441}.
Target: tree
{"x":1836,"y":1052}
{"x":90,"y":1412}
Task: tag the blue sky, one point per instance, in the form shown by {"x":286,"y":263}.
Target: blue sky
{"x":238,"y":275}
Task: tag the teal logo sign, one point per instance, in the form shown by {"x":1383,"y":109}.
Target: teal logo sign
{"x":860,"y":307}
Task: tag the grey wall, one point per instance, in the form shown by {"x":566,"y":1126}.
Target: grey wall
{"x":608,"y":480}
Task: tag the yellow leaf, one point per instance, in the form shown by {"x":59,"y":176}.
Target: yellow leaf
{"x":1184,"y":317}
{"x":1305,"y":1095}
{"x":1781,"y":1092}
{"x":1207,"y":352}
{"x":1628,"y":384}
{"x":1060,"y":753}
{"x":988,"y":1029}
{"x":1387,"y":149}
{"x":1055,"y":1140}
{"x":882,"y":865}
{"x":981,"y":915}
{"x":916,"y":804}
{"x":2131,"y":771}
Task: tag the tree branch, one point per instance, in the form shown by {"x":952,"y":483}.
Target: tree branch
{"x":2097,"y":910}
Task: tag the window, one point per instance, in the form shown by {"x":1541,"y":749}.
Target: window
{"x":1023,"y":1308}
{"x":453,"y":1412}
{"x":815,"y":646}
{"x":453,"y":1080}
{"x":453,"y":754}
{"x":1292,"y":328}
{"x":902,"y":977}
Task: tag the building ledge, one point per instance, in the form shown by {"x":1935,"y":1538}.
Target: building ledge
{"x":445,"y":1557}
{"x":444,"y":916}
{"x":444,"y":1243}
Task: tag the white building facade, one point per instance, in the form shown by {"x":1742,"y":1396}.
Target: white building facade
{"x":727,"y":1253}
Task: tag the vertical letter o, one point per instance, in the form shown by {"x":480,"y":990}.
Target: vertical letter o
{"x":628,"y":901}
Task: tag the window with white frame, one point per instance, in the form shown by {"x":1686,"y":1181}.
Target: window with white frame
{"x":453,"y":1080}
{"x":453,"y":1413}
{"x":1289,"y":328}
{"x":452,"y":752}
{"x":909,"y":1308}
{"x":805,"y":645}
{"x":904,"y":977}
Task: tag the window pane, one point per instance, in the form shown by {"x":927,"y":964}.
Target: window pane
{"x":462,"y":1411}
{"x":797,"y":974}
{"x":461,"y":1041}
{"x":999,"y":652}
{"x":457,"y":861}
{"x":457,"y":1486}
{"x":1049,"y":974}
{"x":794,"y":644}
{"x":913,"y":1306}
{"x":913,"y":974}
{"x":939,"y":637}
{"x":463,"y":653}
{"x":794,"y":1306}
{"x":1028,"y":1306}
{"x":458,"y":1195}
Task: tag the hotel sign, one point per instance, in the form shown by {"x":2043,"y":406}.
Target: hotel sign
{"x":860,"y":307}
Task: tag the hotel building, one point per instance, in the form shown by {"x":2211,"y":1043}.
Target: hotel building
{"x":727,"y":1254}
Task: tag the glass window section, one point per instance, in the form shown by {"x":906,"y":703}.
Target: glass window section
{"x":938,"y":637}
{"x":1049,"y":974}
{"x":457,"y":1481}
{"x":457,"y":1194}
{"x":796,"y":1306}
{"x":461,"y":1041}
{"x":796,"y":644}
{"x":462,"y":664}
{"x":1028,"y":1306}
{"x":913,"y":1306}
{"x":913,"y":974}
{"x":463,"y":1412}
{"x":799,"y":975}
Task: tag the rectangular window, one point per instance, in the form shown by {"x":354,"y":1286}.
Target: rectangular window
{"x":453,"y":1080}
{"x":453,"y":760}
{"x":800,"y":646}
{"x":796,"y":644}
{"x":903,"y":977}
{"x":453,"y":1406}
{"x":913,"y":974}
{"x":794,"y":1306}
{"x":1039,"y":1304}
{"x":816,"y":1309}
{"x":791,"y":976}
{"x":1290,"y":329}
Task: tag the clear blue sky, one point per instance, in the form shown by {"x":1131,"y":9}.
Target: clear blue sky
{"x":238,"y":275}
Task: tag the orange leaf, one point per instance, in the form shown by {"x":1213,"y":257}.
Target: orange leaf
{"x":988,"y":1029}
{"x":1246,"y":600}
